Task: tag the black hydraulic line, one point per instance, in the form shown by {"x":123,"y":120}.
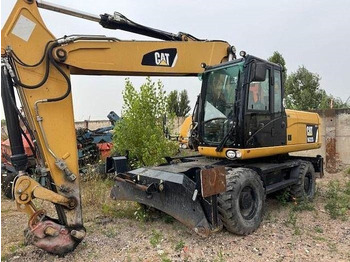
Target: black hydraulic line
{"x":47,"y":70}
{"x":59,"y":209}
{"x":43,"y":81}
{"x":19,"y":159}
{"x":69,"y":85}
{"x":29,"y":142}
{"x":125,"y":24}
{"x":19,"y":61}
{"x":61,"y":215}
{"x":49,"y":58}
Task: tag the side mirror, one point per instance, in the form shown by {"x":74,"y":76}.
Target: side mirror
{"x":258,"y":72}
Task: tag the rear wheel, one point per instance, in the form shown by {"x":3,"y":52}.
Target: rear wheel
{"x":241,"y":206}
{"x":306,"y":187}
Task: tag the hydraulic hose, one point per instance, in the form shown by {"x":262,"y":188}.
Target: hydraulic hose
{"x":43,"y":81}
{"x":69,"y":85}
{"x":29,"y":142}
{"x":19,"y":61}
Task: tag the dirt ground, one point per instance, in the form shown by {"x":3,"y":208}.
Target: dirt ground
{"x":114,"y":234}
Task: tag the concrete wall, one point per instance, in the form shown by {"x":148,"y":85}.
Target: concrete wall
{"x":93,"y":124}
{"x":176,"y":124}
{"x":343,"y":137}
{"x":335,"y":138}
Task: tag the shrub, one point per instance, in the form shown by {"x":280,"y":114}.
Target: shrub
{"x":140,"y":132}
{"x":338,"y":200}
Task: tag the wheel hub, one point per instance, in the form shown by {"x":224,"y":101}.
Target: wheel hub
{"x":248,"y":202}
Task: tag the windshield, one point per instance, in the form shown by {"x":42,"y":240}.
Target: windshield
{"x":221,"y":85}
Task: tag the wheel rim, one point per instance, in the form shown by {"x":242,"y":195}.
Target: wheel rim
{"x":248,"y":203}
{"x":308,"y":183}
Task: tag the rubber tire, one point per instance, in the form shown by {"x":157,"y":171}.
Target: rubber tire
{"x":297,"y":191}
{"x":6,"y":183}
{"x":228,"y":202}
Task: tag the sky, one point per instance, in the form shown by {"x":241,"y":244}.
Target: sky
{"x":315,"y":34}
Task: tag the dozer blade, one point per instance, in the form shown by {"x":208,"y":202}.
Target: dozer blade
{"x":172,"y":193}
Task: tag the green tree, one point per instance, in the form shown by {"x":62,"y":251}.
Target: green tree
{"x":302,"y":90}
{"x":338,"y":102}
{"x":140,"y":131}
{"x":184,"y":103}
{"x":173,"y":102}
{"x":277,"y":58}
{"x":178,"y":104}
{"x":329,"y":101}
{"x":325,"y":101}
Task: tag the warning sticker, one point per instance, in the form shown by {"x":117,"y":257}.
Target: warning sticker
{"x":311,"y":133}
{"x":23,"y":28}
{"x":309,"y":130}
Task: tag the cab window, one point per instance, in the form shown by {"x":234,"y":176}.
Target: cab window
{"x":259,"y":95}
{"x":277,"y":90}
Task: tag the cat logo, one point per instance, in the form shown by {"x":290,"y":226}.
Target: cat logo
{"x":163,"y":57}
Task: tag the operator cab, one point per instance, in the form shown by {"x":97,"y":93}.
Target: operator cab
{"x":240,"y":105}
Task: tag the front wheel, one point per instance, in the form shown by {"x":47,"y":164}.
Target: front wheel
{"x":241,"y":206}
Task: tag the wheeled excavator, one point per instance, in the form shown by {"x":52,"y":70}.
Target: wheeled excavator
{"x":241,"y":129}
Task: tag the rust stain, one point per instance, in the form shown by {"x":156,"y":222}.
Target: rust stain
{"x":332,"y":161}
{"x":213,"y":181}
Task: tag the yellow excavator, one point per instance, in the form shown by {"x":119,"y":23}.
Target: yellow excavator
{"x":240,"y":127}
{"x":185,"y":132}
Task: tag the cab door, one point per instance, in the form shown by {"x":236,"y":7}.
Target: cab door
{"x":258,"y":127}
{"x":279,"y":116}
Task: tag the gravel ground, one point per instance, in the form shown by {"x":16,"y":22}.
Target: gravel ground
{"x":283,"y":236}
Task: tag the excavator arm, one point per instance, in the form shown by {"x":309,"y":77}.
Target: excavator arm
{"x":38,"y":66}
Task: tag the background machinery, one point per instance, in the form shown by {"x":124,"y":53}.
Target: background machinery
{"x":243,"y":132}
{"x":93,"y":146}
{"x":185,"y":132}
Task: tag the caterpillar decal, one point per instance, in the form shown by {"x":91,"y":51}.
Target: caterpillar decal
{"x":163,"y":57}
